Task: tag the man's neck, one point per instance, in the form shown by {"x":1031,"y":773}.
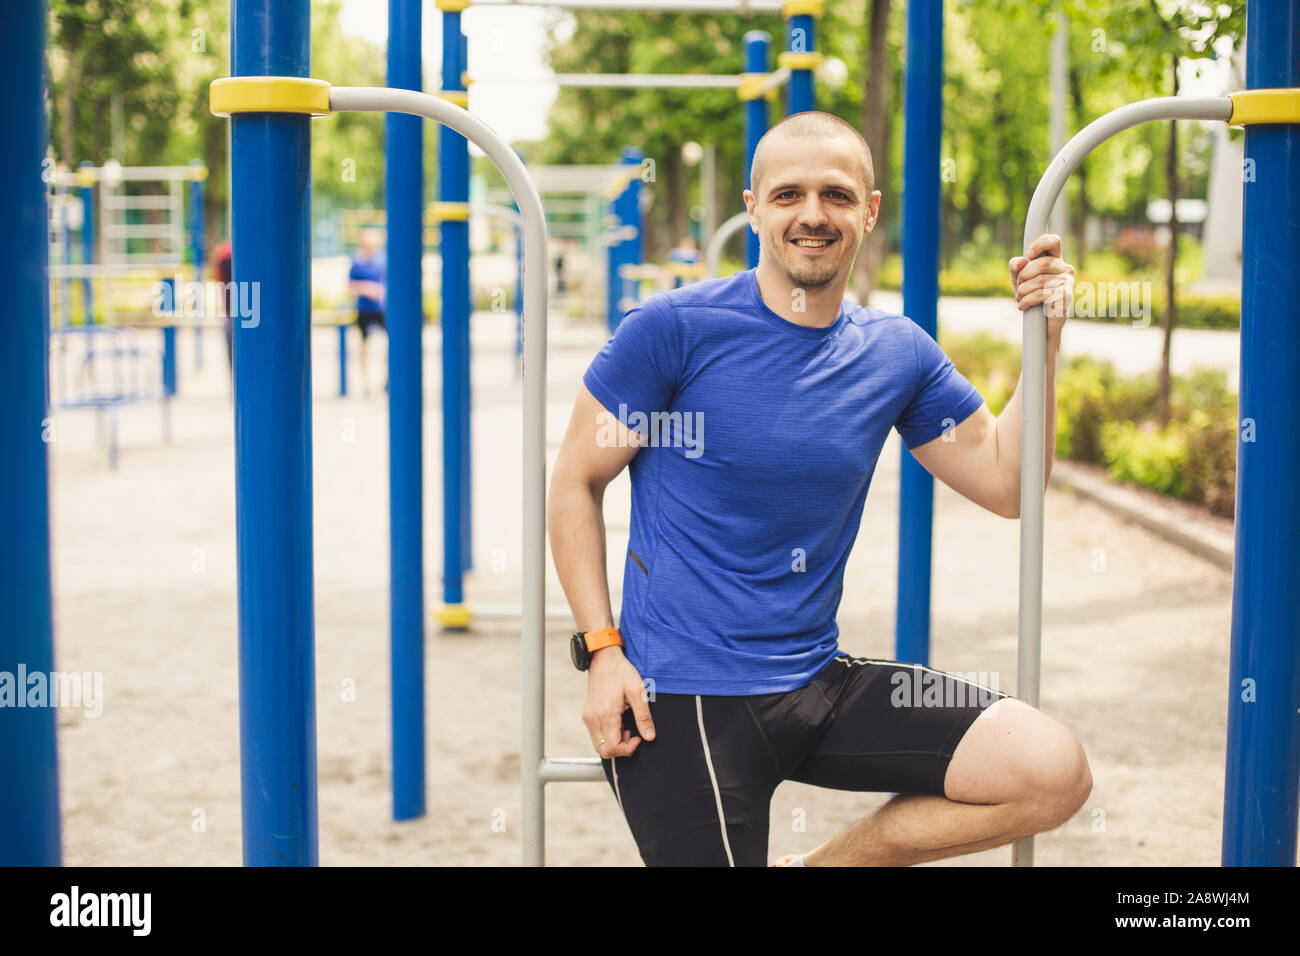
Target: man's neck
{"x":815,"y":308}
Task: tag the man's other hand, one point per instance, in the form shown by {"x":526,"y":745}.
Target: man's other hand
{"x":614,"y":685}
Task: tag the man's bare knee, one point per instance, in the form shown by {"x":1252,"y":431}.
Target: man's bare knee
{"x":1059,"y":784}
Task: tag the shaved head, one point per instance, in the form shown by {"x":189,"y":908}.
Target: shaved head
{"x":809,"y":127}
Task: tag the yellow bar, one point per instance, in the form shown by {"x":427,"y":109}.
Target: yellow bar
{"x":799,"y":61}
{"x":620,"y":182}
{"x":456,"y":617}
{"x":794,"y":8}
{"x":448,"y":212}
{"x":452,"y":6}
{"x":86,"y":177}
{"x":1252,"y":107}
{"x":454,"y":97}
{"x":749,"y":84}
{"x":686,"y":270}
{"x":199,"y":172}
{"x":269,"y":94}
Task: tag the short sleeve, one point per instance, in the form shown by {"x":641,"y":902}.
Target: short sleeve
{"x":639,"y":369}
{"x":943,"y":397}
{"x":352,"y":271}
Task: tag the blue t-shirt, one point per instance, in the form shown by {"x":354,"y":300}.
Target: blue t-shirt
{"x":746,"y":503}
{"x":368,"y":270}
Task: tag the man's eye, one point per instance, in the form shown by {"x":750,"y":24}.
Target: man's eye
{"x":788,"y":192}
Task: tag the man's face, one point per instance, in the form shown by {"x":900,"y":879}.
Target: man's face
{"x":812,"y":210}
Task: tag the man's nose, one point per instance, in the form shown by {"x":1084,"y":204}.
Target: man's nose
{"x":812,"y":213}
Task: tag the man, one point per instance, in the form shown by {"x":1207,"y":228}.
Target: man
{"x":725,"y":678}
{"x":366,"y":282}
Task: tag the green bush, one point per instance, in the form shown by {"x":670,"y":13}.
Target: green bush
{"x":1211,"y":469}
{"x":1146,"y":456}
{"x":1081,"y":408}
{"x":1107,"y":420}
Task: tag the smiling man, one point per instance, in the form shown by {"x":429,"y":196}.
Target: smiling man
{"x":725,"y":677}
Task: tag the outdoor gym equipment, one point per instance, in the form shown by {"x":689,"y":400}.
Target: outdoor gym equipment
{"x":269,"y":100}
{"x":1259,"y":820}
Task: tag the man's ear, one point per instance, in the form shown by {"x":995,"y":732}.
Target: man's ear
{"x":873,"y":211}
{"x":751,"y":204}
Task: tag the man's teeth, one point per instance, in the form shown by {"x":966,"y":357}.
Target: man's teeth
{"x":812,"y":243}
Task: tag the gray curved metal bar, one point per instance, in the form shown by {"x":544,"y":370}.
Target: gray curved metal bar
{"x":713,"y":251}
{"x":532,"y":755}
{"x":1033,"y":424}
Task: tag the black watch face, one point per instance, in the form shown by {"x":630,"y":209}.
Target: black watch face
{"x":578,"y":651}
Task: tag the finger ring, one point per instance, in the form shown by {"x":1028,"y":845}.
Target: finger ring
{"x":602,"y":742}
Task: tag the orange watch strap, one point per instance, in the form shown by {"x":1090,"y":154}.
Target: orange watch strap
{"x":606,"y":637}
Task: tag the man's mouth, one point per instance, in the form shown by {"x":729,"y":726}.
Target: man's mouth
{"x":805,"y":243}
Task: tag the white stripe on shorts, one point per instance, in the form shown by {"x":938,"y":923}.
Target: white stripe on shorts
{"x":717,"y":796}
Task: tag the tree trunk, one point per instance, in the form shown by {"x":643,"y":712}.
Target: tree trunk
{"x":875,"y":127}
{"x":71,"y":82}
{"x":676,"y":215}
{"x":1171,"y":175}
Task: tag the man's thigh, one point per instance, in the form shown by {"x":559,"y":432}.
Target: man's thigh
{"x":894,"y":727}
{"x":698,"y":794}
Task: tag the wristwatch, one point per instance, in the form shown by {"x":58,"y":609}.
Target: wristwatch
{"x":584,"y":644}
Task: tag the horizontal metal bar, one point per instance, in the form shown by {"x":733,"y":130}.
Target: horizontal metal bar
{"x":130,"y":201}
{"x":146,"y":173}
{"x":139,"y":230}
{"x":571,"y":770}
{"x":685,"y":81}
{"x":497,"y":612}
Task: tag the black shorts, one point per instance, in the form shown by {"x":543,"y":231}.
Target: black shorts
{"x":861,"y":725}
{"x":367,"y":320}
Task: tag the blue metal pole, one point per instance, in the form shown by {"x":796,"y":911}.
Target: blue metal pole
{"x":169,"y":361}
{"x":404,"y":203}
{"x":801,"y":39}
{"x":924,"y":104}
{"x":467,"y":401}
{"x":170,"y":304}
{"x":343,"y":360}
{"x":1262,"y":789}
{"x":29,"y":769}
{"x":270,"y":220}
{"x":453,"y":236}
{"x":627,"y":211}
{"x":519,"y":288}
{"x":88,"y":243}
{"x":519,"y":298}
{"x":197,"y":247}
{"x":757,"y":55}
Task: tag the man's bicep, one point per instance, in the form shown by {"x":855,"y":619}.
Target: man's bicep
{"x":596,"y":446}
{"x":965,"y":458}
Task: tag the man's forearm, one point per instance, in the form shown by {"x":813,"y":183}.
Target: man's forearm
{"x":577,"y":530}
{"x":1009,"y":425}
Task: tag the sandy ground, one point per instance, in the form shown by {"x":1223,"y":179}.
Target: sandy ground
{"x":1135,"y":643}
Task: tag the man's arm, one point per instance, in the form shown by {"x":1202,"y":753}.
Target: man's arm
{"x":980,"y":459}
{"x":367,"y":287}
{"x":584,"y":467}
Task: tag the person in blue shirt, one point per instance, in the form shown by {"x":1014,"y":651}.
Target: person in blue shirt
{"x":366,"y":282}
{"x":750,"y":412}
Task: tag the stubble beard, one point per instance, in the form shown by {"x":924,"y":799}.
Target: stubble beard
{"x":811,"y":278}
